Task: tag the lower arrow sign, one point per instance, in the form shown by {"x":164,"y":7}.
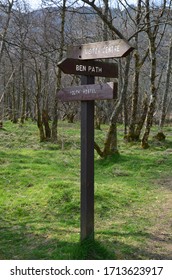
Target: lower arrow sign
{"x":88,"y":92}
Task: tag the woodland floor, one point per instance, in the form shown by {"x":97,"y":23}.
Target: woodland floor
{"x":40,"y":197}
{"x":160,"y":242}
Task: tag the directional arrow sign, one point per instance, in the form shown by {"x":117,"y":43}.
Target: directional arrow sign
{"x":89,"y":68}
{"x":88,"y":92}
{"x":105,"y":49}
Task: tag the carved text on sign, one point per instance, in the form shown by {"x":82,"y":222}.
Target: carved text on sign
{"x":89,"y":69}
{"x":88,"y":92}
{"x":110,"y":50}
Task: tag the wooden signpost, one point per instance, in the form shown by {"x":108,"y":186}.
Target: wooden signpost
{"x":89,"y":68}
{"x":81,"y":60}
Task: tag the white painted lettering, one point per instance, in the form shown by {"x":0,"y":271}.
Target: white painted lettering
{"x":95,"y":69}
{"x":81,"y":68}
{"x":99,"y":70}
{"x":74,"y":92}
{"x":106,"y":50}
{"x":89,"y":91}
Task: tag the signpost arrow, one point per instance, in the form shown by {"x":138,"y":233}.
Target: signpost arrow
{"x":106,"y":49}
{"x":88,"y":92}
{"x":89,"y":68}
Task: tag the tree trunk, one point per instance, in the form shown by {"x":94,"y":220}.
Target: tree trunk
{"x":166,"y":90}
{"x":8,"y":9}
{"x":62,"y":42}
{"x":135,"y":94}
{"x":38,"y":103}
{"x":23,"y":111}
{"x":151,"y":109}
{"x":97,"y":122}
{"x":14,"y":109}
{"x":110,"y":145}
{"x":142,"y":118}
{"x":152,"y":51}
{"x":135,"y":90}
{"x":125,"y":117}
{"x":54,"y":121}
{"x":45,"y":121}
{"x":4,"y":30}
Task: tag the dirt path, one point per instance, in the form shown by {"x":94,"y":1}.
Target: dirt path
{"x":160,"y":243}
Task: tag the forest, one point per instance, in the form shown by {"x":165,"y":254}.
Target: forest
{"x":34,"y":42}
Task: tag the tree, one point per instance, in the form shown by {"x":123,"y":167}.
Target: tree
{"x":6,"y":12}
{"x":152,"y":28}
{"x":149,"y":20}
{"x":58,"y":73}
{"x":134,"y":129}
{"x":164,"y":107}
{"x":110,"y":145}
{"x":22,"y":22}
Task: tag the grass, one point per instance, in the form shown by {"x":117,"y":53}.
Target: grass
{"x":40,"y":196}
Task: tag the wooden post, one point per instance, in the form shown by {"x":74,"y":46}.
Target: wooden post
{"x":87,"y":165}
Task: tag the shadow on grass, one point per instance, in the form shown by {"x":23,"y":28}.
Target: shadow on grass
{"x":134,"y":163}
{"x":139,"y":250}
{"x":21,"y":243}
{"x":18,"y":243}
{"x":91,"y":250}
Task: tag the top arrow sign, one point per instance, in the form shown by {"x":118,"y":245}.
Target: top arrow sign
{"x":105,"y":49}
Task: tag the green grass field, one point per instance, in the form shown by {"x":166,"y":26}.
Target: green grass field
{"x":40,"y":197}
